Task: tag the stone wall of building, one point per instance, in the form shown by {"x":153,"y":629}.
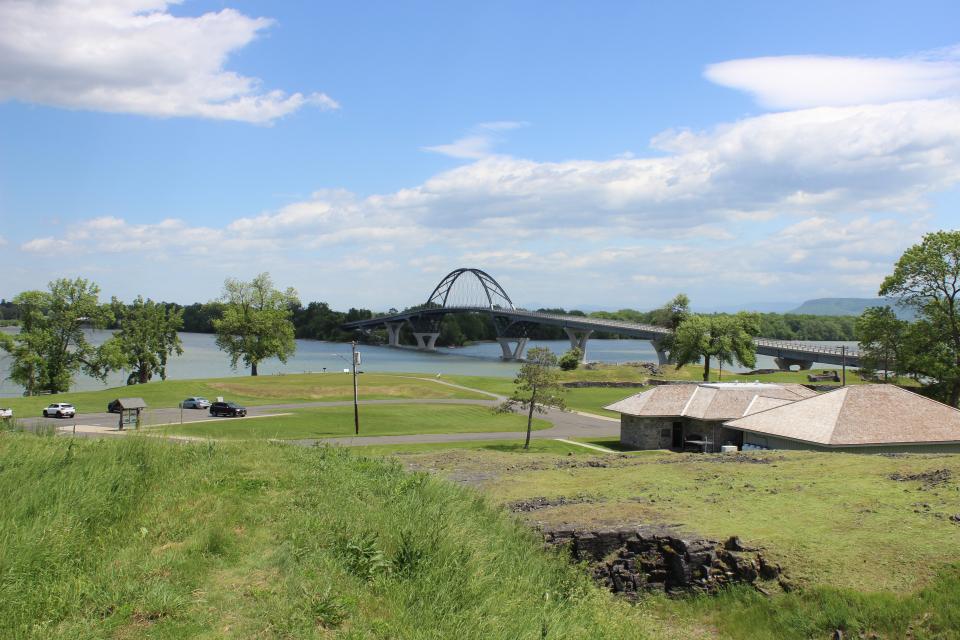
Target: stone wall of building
{"x":645,"y":433}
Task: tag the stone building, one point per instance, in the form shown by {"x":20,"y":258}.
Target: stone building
{"x":692,"y":416}
{"x":869,"y":418}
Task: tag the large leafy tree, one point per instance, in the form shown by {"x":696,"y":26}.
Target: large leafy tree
{"x":927,"y":278}
{"x":256,"y":322}
{"x":726,"y":339}
{"x":536,"y":387}
{"x":52,"y":345}
{"x":885,"y":341}
{"x":146,"y":338}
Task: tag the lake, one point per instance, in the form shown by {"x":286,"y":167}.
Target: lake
{"x":202,"y":359}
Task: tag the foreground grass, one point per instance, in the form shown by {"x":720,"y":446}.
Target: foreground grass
{"x":375,"y":420}
{"x":140,"y":538}
{"x":259,"y":390}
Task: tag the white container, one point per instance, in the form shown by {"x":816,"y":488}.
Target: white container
{"x":728,"y":448}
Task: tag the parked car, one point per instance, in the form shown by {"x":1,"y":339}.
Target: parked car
{"x":59,"y":410}
{"x":5,"y":414}
{"x":113,"y":406}
{"x":227,"y":409}
{"x":195,"y":402}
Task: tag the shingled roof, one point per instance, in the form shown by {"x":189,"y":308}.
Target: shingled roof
{"x":859,"y":415}
{"x":710,"y":401}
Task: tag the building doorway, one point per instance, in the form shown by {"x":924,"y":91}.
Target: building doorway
{"x":677,"y":438}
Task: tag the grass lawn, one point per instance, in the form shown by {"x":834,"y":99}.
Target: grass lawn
{"x":375,"y":420}
{"x":830,"y":518}
{"x":867,"y":554}
{"x":301,"y":387}
{"x":141,"y":538}
{"x":589,"y":399}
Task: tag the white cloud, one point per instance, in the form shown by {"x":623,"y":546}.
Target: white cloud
{"x":479,"y":143}
{"x":3,"y":241}
{"x":134,"y":56}
{"x":798,"y":82}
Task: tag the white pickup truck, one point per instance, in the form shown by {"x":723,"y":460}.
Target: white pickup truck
{"x":5,"y":414}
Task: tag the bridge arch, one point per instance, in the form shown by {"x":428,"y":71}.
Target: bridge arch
{"x":474,"y":288}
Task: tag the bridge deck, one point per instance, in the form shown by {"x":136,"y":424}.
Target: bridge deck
{"x":777,"y":348}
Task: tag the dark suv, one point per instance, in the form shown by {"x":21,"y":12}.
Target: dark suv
{"x":227,"y":409}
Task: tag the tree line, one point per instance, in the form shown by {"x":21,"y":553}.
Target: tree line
{"x":253,"y":324}
{"x":254,"y":321}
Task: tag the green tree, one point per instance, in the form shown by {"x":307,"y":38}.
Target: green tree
{"x":256,"y":321}
{"x":146,"y":338}
{"x":571,"y":359}
{"x":536,"y":387}
{"x":670,"y":316}
{"x":51,"y":346}
{"x":885,"y":341}
{"x":726,"y":338}
{"x":927,"y":278}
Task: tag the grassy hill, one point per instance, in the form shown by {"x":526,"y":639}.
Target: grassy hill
{"x":139,"y":538}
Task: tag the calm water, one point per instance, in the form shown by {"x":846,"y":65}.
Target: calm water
{"x":202,"y":359}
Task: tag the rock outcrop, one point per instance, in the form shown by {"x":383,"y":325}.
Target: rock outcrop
{"x":631,"y":561}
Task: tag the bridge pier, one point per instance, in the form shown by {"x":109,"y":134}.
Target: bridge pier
{"x":513,"y":353}
{"x":427,"y":341}
{"x":578,"y":340}
{"x":393,"y":333}
{"x":663,"y":357}
{"x":784,"y":363}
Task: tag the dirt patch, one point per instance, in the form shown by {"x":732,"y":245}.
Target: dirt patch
{"x":720,"y":458}
{"x":927,"y":479}
{"x":535,"y":504}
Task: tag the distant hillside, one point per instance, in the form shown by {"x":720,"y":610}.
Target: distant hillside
{"x":848,"y":307}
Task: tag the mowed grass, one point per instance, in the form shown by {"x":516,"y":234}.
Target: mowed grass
{"x":142,"y":538}
{"x":259,"y":390}
{"x":588,"y":399}
{"x":375,"y":420}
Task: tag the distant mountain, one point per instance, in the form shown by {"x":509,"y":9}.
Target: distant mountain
{"x":849,"y":307}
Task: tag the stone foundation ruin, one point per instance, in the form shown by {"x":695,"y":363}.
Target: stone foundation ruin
{"x":631,"y":561}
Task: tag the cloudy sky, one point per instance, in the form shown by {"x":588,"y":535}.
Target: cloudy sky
{"x":598,"y":156}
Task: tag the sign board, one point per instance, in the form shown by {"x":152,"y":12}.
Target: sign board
{"x":356,"y":358}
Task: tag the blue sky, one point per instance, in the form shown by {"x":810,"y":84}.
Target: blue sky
{"x":597,"y":156}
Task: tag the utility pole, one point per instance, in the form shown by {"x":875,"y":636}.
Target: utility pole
{"x":843,"y":351}
{"x":356,"y":410}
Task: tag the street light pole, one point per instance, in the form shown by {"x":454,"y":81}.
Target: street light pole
{"x":843,"y":350}
{"x":356,"y":409}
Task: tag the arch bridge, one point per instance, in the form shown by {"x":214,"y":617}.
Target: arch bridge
{"x":468,"y":290}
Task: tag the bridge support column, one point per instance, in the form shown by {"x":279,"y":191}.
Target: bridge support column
{"x":393,"y":333}
{"x":663,"y":357}
{"x":510,"y":352}
{"x":427,"y":341}
{"x":578,"y":340}
{"x":784,"y":364}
